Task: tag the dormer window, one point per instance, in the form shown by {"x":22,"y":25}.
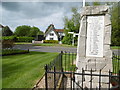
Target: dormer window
{"x":51,"y":34}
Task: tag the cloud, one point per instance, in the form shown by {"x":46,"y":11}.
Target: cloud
{"x":39,"y":14}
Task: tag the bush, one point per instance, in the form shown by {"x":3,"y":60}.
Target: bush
{"x":13,"y":51}
{"x":13,"y":38}
{"x":50,"y":41}
{"x":7,"y":43}
{"x":24,"y":39}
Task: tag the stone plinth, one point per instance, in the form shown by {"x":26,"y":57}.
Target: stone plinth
{"x":93,"y":51}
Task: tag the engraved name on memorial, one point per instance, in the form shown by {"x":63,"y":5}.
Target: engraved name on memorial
{"x":95,"y":36}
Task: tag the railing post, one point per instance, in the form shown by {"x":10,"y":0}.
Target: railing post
{"x":109,"y":79}
{"x":61,"y":60}
{"x":100,"y":80}
{"x":82,"y":77}
{"x":54,"y":78}
{"x":46,"y":84}
{"x":119,"y":81}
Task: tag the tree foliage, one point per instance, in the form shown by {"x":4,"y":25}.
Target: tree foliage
{"x":71,"y":25}
{"x":115,"y":17}
{"x":6,"y":31}
{"x":25,"y":30}
{"x":22,"y":30}
{"x":34,"y":31}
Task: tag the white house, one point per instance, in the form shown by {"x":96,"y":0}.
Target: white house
{"x":54,"y":34}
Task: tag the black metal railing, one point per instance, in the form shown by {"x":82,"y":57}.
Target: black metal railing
{"x":60,"y":73}
{"x":116,"y":63}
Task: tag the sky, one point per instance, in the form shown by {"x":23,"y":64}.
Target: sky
{"x":39,"y":14}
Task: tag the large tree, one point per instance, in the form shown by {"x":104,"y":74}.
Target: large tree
{"x":71,"y":25}
{"x":34,"y":31}
{"x":23,"y":30}
{"x":115,"y":17}
{"x":6,"y":31}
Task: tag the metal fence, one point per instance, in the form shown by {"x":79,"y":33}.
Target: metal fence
{"x":60,"y":73}
{"x":116,"y":63}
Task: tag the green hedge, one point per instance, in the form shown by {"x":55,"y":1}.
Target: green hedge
{"x":13,"y":38}
{"x":24,"y":39}
{"x":50,"y":41}
{"x":6,"y":52}
{"x":18,"y":39}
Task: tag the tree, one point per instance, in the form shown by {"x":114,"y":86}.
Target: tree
{"x":115,"y":17}
{"x":71,"y":25}
{"x":34,"y":31}
{"x":6,"y":31}
{"x":23,"y":30}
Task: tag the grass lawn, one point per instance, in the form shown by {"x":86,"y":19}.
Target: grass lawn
{"x":23,"y":71}
{"x":116,"y":64}
{"x":52,"y":44}
{"x":115,"y":47}
{"x":22,"y":43}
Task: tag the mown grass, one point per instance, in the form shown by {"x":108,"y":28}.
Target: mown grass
{"x":23,"y":71}
{"x":116,"y":64}
{"x":17,"y":43}
{"x":115,"y":47}
{"x":53,"y":44}
{"x":68,"y":61}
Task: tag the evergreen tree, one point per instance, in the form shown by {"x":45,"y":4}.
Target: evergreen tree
{"x":6,"y":31}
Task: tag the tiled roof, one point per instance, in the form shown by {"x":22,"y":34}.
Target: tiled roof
{"x":59,"y":30}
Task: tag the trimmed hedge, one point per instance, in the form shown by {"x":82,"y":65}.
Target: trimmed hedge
{"x":6,"y":52}
{"x":50,"y":41}
{"x":13,"y":38}
{"x":18,"y":39}
{"x":24,"y":39}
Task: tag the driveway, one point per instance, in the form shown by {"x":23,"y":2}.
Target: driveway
{"x":51,"y":48}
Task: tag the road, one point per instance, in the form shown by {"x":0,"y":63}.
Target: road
{"x":51,"y":48}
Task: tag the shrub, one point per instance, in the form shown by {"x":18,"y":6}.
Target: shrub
{"x":50,"y":41}
{"x":24,"y":39}
{"x":7,"y":43}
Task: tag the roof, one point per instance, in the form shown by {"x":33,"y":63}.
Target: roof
{"x":1,"y":26}
{"x":59,"y":30}
{"x":51,"y":27}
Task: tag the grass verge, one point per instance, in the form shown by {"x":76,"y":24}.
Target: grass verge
{"x":52,"y":44}
{"x":115,"y":47}
{"x":23,"y":71}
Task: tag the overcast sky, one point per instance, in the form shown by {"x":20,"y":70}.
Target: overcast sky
{"x":39,"y":14}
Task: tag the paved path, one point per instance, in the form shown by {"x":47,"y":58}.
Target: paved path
{"x":51,"y":48}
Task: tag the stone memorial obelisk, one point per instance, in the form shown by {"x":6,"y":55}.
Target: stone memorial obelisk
{"x":93,"y":51}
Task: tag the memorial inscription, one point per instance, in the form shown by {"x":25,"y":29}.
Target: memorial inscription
{"x":95,"y":36}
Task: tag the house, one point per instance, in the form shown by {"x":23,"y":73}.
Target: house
{"x":52,"y":33}
{"x":1,"y":26}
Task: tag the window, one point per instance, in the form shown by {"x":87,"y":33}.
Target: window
{"x":51,"y":34}
{"x":51,"y":38}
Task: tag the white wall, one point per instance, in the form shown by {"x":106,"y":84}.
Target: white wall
{"x":55,"y":37}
